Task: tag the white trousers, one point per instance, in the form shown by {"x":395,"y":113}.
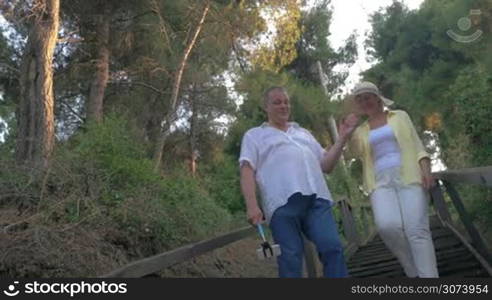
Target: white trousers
{"x":401,"y":217}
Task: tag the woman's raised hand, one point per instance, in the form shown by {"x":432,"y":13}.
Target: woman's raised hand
{"x":348,"y":125}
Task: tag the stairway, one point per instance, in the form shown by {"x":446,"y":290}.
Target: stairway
{"x":453,"y":258}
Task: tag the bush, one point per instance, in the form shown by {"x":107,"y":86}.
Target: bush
{"x":101,"y":185}
{"x":222,"y":180}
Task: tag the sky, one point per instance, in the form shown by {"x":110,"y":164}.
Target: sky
{"x":350,"y":15}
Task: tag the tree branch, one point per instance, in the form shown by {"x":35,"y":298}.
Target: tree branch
{"x":138,"y":83}
{"x":9,"y":67}
{"x":177,"y":85}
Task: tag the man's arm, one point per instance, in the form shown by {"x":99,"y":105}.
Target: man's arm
{"x":248,"y":188}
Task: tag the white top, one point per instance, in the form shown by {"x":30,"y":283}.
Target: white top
{"x":285,"y":163}
{"x":385,"y":148}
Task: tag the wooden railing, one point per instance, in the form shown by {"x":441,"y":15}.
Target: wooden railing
{"x":164,"y":260}
{"x":353,"y":238}
{"x":356,"y":225}
{"x":357,"y":229}
{"x":361,"y":214}
{"x":470,"y":236}
{"x":154,"y":264}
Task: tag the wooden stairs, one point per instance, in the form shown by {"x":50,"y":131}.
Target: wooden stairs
{"x":454,"y":259}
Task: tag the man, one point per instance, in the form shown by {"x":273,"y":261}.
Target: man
{"x":287,"y":163}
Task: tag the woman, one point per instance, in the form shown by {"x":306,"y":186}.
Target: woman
{"x":396,"y":174}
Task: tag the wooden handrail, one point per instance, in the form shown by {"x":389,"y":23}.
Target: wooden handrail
{"x":481,"y":176}
{"x":311,"y":259}
{"x":348,"y":222}
{"x":350,"y":229}
{"x":161,"y":261}
{"x":465,"y":218}
{"x":440,"y":204}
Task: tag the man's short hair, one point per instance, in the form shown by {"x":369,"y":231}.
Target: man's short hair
{"x":266,"y":94}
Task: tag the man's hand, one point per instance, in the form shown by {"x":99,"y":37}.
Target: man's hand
{"x":255,"y":215}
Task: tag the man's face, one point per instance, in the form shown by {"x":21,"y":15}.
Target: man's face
{"x":278,"y":106}
{"x":368,"y":103}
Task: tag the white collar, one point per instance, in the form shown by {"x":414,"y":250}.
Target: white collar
{"x":290,"y":124}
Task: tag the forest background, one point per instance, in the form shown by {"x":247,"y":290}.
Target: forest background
{"x":122,"y":120}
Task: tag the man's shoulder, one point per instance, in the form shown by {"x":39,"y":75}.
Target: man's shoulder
{"x":254,"y":131}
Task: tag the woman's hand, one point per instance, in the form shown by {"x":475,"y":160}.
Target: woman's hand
{"x":348,"y":126}
{"x":428,"y":181}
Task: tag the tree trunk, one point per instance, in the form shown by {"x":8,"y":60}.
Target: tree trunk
{"x":35,"y":113}
{"x":101,"y":76}
{"x":166,"y":122}
{"x":193,"y":133}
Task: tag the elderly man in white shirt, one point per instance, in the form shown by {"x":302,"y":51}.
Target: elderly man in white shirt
{"x":287,"y":163}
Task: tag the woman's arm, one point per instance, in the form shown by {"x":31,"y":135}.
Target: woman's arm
{"x":428,"y":180}
{"x":423,"y":157}
{"x":346,"y":129}
{"x":332,"y":156}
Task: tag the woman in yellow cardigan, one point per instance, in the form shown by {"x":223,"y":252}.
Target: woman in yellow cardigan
{"x":396,"y":174}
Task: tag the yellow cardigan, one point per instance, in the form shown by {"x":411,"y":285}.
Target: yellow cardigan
{"x":411,"y":147}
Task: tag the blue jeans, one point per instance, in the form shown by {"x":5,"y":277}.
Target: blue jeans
{"x":313,"y":217}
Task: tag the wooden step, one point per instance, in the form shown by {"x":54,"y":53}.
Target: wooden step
{"x":371,"y":259}
{"x":442,"y":245}
{"x":443,"y":241}
{"x":453,"y":258}
{"x":448,"y":266}
{"x":441,"y":256}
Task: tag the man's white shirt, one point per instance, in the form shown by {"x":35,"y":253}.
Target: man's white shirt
{"x":284,"y":163}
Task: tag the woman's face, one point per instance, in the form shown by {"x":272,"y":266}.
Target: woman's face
{"x":368,"y":104}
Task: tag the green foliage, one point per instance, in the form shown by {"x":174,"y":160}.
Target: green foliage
{"x":101,"y":177}
{"x":286,"y":16}
{"x":313,"y":46}
{"x":113,"y":147}
{"x":102,"y":180}
{"x":471,"y":113}
{"x":173,"y":208}
{"x":222,"y":181}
